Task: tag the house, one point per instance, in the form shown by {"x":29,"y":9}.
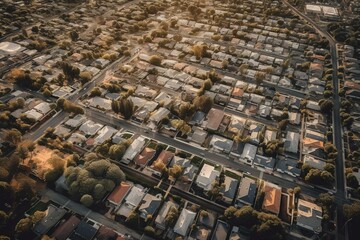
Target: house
{"x":134,"y":149}
{"x":229,"y":191}
{"x":118,"y":194}
{"x":272,"y":198}
{"x":90,"y":128}
{"x":33,"y":115}
{"x":314,"y":162}
{"x":83,"y":231}
{"x":132,"y":200}
{"x":221,"y":231}
{"x":165,"y":158}
{"x":197,"y":135}
{"x":104,"y":134}
{"x":43,"y":108}
{"x":207,"y":176}
{"x":189,"y":171}
{"x":184,"y":222}
{"x":294,"y":118}
{"x":52,"y":217}
{"x":247,"y":192}
{"x":221,"y":144}
{"x":265,"y":162}
{"x":288,"y":166}
{"x":64,"y":230}
{"x":164,"y":211}
{"x":292,"y":142}
{"x":149,"y":205}
{"x":144,"y":157}
{"x":159,"y":115}
{"x":214,"y":119}
{"x":105,"y":233}
{"x":309,"y":216}
{"x":75,"y":121}
{"x":100,"y":103}
{"x":269,"y":136}
{"x":248,"y":153}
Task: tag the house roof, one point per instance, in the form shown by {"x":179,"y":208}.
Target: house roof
{"x":134,"y":148}
{"x":105,"y":233}
{"x":160,"y":219}
{"x":220,"y":231}
{"x":309,"y":215}
{"x":150,"y":204}
{"x":214,"y":119}
{"x":266,"y":162}
{"x":119,"y":193}
{"x":184,"y":221}
{"x":292,"y":142}
{"x":84,"y":231}
{"x":52,"y":217}
{"x":65,"y":229}
{"x":104,"y":134}
{"x":144,"y":156}
{"x":90,"y":128}
{"x":247,"y":191}
{"x":206,"y":176}
{"x":164,"y":157}
{"x":272,"y":198}
{"x":231,"y":185}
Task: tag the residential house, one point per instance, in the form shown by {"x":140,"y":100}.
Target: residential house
{"x":247,"y":192}
{"x":76,"y":121}
{"x":157,"y":116}
{"x":221,"y":144}
{"x":207,"y":176}
{"x":272,"y":198}
{"x":165,"y":158}
{"x":149,"y":205}
{"x":90,"y":128}
{"x":145,"y":156}
{"x":309,"y":216}
{"x":229,"y":191}
{"x":134,"y":149}
{"x":248,"y":153}
{"x":288,"y":166}
{"x":132,"y":200}
{"x":198,"y":135}
{"x":64,"y":230}
{"x":314,"y":162}
{"x":184,"y":222}
{"x":221,"y":231}
{"x":52,"y":216}
{"x":104,"y":134}
{"x":83,"y":231}
{"x":214,"y":119}
{"x":265,"y":162}
{"x":161,"y":217}
{"x":189,"y":171}
{"x":118,"y":194}
{"x":292,"y":142}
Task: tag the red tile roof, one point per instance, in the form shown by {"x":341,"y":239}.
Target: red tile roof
{"x":119,"y":193}
{"x":272,"y":199}
{"x":144,"y":156}
{"x":64,"y":230}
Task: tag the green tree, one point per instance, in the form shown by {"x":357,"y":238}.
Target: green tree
{"x":87,"y":200}
{"x":203,"y":103}
{"x":352,"y":181}
{"x":13,"y":136}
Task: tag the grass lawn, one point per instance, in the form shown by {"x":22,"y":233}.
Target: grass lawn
{"x":171,"y":149}
{"x":127,"y":135}
{"x":39,"y":206}
{"x":152,"y":145}
{"x":197,"y":161}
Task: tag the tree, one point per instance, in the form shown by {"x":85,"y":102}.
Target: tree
{"x":133,"y":219}
{"x":297,"y":191}
{"x":117,"y":151}
{"x":207,"y":84}
{"x":87,"y":200}
{"x":203,"y":103}
{"x":70,"y":71}
{"x":171,"y":216}
{"x":186,"y":110}
{"x":3,"y":218}
{"x":37,"y":216}
{"x":74,"y":36}
{"x":175,"y":171}
{"x":352,"y":211}
{"x":352,"y":181}
{"x":199,"y":50}
{"x":125,"y":107}
{"x":85,"y":77}
{"x":155,"y":60}
{"x":181,"y":126}
{"x":150,"y":231}
{"x":24,"y":226}
{"x":13,"y":136}
{"x":326,"y":106}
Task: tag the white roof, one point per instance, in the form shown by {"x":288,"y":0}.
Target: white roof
{"x":135,"y":196}
{"x":313,"y":8}
{"x":43,"y":107}
{"x":135,"y":147}
{"x":10,"y":48}
{"x":207,"y":176}
{"x":90,"y":127}
{"x":249,"y":152}
{"x":33,"y":114}
{"x":104,"y":134}
{"x":184,"y":221}
{"x":99,"y":102}
{"x":75,"y":121}
{"x":159,"y":114}
{"x":292,"y":142}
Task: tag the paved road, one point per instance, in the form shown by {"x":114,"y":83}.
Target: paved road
{"x":337,"y":128}
{"x":84,"y":211}
{"x":282,"y":180}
